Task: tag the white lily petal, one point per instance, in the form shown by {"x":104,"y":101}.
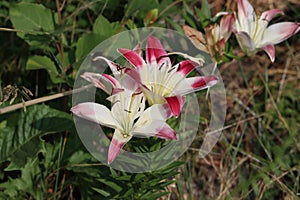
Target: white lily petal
{"x":279,"y":32}
{"x":156,"y":128}
{"x":154,"y":112}
{"x":246,"y":16}
{"x":95,"y":113}
{"x":245,"y":9}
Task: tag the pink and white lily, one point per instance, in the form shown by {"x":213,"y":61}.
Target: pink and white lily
{"x":128,"y":117}
{"x":217,"y":35}
{"x":254,"y":33}
{"x":159,"y":80}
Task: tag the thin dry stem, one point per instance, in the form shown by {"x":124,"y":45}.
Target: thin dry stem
{"x":42,"y":99}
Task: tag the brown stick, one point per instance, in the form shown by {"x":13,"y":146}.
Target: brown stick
{"x":42,"y":99}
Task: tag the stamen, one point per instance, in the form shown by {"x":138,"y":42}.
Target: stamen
{"x":162,"y":64}
{"x":127,"y":111}
{"x":171,"y":69}
{"x":125,"y":135}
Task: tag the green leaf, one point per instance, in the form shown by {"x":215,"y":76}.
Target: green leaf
{"x":22,"y":139}
{"x":14,"y":188}
{"x":136,"y":6}
{"x":103,"y":27}
{"x":111,"y":184}
{"x":205,"y":9}
{"x":102,"y":192}
{"x":31,"y":18}
{"x":86,"y":43}
{"x":204,"y":14}
{"x":175,"y":25}
{"x":43,"y":62}
{"x":188,"y":16}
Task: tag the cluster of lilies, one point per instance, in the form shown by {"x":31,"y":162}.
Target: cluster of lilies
{"x":252,"y":32}
{"x":146,"y":94}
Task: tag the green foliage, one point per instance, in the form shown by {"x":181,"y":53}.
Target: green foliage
{"x":22,"y":139}
{"x":34,"y":22}
{"x":43,"y":62}
{"x":204,"y":14}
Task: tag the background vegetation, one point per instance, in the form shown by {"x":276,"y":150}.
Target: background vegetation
{"x":42,"y":44}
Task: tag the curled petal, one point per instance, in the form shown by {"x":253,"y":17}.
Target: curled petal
{"x":268,"y":15}
{"x":103,"y":81}
{"x":279,"y":32}
{"x":155,"y":53}
{"x":221,"y":13}
{"x":175,"y":103}
{"x":245,"y":42}
{"x":134,"y":58}
{"x":113,"y":66}
{"x":96,"y":113}
{"x":270,"y":50}
{"x":117,"y":143}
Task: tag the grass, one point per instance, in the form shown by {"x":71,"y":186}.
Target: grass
{"x":257,"y":156}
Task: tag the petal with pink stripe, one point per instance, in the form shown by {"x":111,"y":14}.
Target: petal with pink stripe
{"x":279,"y":32}
{"x":96,"y":113}
{"x":270,"y":50}
{"x":186,"y":66}
{"x":194,"y":84}
{"x":245,"y":9}
{"x":103,"y":81}
{"x":117,"y":143}
{"x":134,"y":58}
{"x":155,"y":53}
{"x":175,"y":103}
{"x":156,"y":128}
{"x":268,"y":15}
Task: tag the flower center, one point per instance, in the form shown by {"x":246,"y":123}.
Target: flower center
{"x":125,"y":135}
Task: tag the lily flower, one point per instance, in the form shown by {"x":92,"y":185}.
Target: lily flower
{"x":215,"y":37}
{"x":254,"y":33}
{"x":128,"y":117}
{"x":159,"y":80}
